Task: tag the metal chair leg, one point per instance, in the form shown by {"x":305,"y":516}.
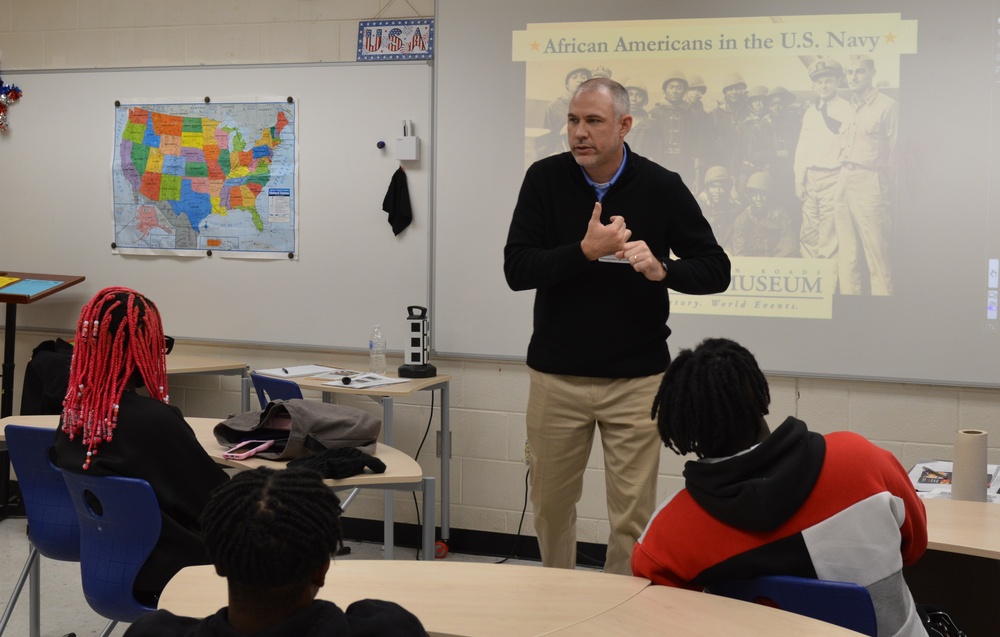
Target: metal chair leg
{"x":109,"y":627}
{"x":35,"y":599}
{"x":22,"y":578}
{"x":350,"y":498}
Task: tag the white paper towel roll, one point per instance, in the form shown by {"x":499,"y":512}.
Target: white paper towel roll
{"x":969,"y":473}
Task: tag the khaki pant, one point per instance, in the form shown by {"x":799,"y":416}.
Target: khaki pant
{"x":862,"y":221}
{"x":818,"y":236}
{"x":561,"y":417}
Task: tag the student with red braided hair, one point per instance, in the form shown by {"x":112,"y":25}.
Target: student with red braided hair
{"x":109,"y":428}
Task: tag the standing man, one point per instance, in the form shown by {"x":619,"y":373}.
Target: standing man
{"x":784,"y":124}
{"x":726,"y":118}
{"x":555,"y":112}
{"x":593,"y":232}
{"x":867,"y":157}
{"x":671,"y":136}
{"x":753,"y":134}
{"x":638,"y":97}
{"x":701,"y":123}
{"x":817,"y":160}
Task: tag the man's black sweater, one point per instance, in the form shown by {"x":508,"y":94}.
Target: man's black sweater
{"x":602,"y":319}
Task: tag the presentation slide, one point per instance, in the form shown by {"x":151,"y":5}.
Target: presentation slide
{"x":770,"y":191}
{"x":845,"y":154}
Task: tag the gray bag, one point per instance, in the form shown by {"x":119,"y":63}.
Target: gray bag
{"x":301,"y":427}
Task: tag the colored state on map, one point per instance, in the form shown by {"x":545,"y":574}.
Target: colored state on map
{"x":196,"y":164}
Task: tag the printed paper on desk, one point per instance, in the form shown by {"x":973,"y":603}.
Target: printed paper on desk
{"x":338,"y":374}
{"x":935,"y":475}
{"x":297,"y":371}
{"x":366,"y":381}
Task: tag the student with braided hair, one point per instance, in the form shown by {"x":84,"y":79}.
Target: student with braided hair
{"x":271,"y":534}
{"x":788,"y":502}
{"x":109,"y":428}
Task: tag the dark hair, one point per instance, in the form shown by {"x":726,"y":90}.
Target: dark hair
{"x":712,"y":400}
{"x":270,"y":529}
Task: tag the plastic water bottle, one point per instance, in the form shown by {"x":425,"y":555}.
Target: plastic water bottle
{"x":376,"y":351}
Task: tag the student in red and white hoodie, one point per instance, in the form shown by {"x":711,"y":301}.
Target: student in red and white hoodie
{"x":787,"y":502}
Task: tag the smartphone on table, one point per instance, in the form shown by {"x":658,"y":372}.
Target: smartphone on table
{"x":246,"y":449}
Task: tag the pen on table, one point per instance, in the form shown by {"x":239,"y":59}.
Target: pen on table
{"x":284,"y":370}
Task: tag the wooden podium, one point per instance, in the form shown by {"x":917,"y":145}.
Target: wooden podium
{"x":23,"y":288}
{"x":19,"y":288}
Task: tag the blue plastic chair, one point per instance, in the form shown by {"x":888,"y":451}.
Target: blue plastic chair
{"x":53,"y":530}
{"x":119,"y":526}
{"x":845,"y":604}
{"x":270,"y":388}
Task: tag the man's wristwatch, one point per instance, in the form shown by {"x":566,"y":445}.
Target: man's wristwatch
{"x":666,"y":268}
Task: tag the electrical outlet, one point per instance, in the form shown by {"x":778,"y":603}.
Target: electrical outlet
{"x":527,"y":452}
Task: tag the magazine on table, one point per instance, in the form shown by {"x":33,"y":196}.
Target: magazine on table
{"x":932,"y":479}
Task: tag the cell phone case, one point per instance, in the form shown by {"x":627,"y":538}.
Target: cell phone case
{"x":247,"y":449}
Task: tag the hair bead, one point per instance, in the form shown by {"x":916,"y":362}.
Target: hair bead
{"x":119,"y":337}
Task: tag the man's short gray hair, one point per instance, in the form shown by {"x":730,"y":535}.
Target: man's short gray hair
{"x":618,"y":93}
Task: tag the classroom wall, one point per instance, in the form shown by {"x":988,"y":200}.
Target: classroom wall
{"x":914,"y":422}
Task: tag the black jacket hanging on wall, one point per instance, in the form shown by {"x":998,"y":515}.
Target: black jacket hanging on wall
{"x":397,"y":202}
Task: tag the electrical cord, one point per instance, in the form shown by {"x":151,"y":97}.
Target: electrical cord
{"x":416,"y":457}
{"x":524,"y":508}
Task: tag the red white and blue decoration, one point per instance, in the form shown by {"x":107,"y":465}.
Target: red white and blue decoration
{"x":395,"y":40}
{"x":8,"y":95}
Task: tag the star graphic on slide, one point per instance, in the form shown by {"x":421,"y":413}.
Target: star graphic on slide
{"x":890,"y":37}
{"x":535,"y":45}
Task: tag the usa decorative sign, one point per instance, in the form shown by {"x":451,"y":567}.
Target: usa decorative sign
{"x":395,"y":40}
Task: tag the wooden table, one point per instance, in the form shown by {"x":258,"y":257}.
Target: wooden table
{"x":968,"y":528}
{"x":502,"y":600}
{"x":452,"y":598}
{"x":661,"y":610}
{"x":181,"y":363}
{"x":960,"y":572}
{"x":385,"y":395}
{"x":12,"y":299}
{"x":402,"y":471}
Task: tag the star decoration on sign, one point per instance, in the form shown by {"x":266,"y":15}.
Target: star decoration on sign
{"x":535,"y":45}
{"x":890,"y":37}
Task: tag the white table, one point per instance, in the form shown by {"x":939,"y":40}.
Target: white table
{"x":385,"y":395}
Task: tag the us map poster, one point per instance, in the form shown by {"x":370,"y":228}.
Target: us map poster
{"x":189,"y":178}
